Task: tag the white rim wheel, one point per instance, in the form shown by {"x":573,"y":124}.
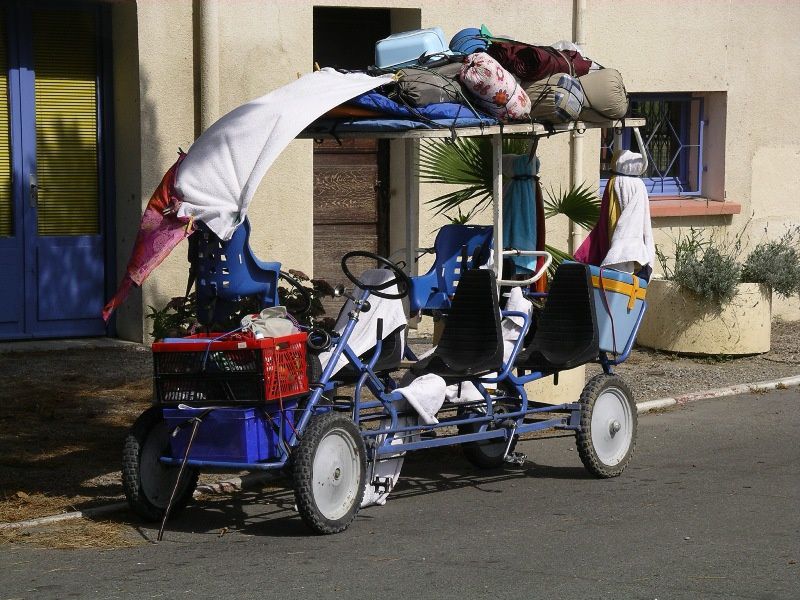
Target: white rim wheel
{"x":607,"y":435}
{"x":147,"y":482}
{"x":612,"y":430}
{"x":336,"y":474}
{"x":329,"y":471}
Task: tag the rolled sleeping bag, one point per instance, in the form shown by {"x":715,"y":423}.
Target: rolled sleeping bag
{"x":556,"y":99}
{"x":494,"y":90}
{"x":606,"y":97}
{"x":420,"y":87}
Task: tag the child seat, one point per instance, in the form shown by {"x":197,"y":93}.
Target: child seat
{"x":472,"y":342}
{"x":434,"y":289}
{"x":566,"y":332}
{"x":229,"y":270}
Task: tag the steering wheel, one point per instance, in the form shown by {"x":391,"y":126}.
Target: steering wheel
{"x":302,"y":298}
{"x":400,"y":278}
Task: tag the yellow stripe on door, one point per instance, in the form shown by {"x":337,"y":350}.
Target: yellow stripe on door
{"x":6,"y":207}
{"x":65,"y":63}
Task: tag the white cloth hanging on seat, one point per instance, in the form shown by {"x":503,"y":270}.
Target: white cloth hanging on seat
{"x":632,"y":240}
{"x":364,"y":334}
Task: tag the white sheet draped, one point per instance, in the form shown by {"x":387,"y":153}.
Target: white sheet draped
{"x":224,"y":166}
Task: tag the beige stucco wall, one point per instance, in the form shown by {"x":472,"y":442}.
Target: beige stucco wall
{"x":735,"y":50}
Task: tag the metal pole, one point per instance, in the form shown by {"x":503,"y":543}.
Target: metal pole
{"x":412,"y":204}
{"x":497,"y":201}
{"x":208,"y":49}
{"x":576,"y":146}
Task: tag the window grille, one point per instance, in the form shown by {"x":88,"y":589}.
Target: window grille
{"x":673,"y":140}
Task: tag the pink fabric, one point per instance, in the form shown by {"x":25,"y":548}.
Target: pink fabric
{"x":159,"y":232}
{"x":595,"y":247}
{"x":495,"y":89}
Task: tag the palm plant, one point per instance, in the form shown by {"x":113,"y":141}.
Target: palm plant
{"x":467,"y":162}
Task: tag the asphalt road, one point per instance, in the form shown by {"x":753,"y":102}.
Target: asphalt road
{"x":709,"y":508}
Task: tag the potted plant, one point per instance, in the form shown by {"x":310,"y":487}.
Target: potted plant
{"x":708,"y":302}
{"x":178,"y":318}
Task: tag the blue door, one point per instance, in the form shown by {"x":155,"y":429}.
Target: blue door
{"x":52,"y":214}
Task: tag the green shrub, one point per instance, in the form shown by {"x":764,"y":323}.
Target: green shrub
{"x":776,"y":263}
{"x":712,"y":270}
{"x":711,"y":275}
{"x":708,"y":269}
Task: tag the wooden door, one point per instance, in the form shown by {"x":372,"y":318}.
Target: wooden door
{"x":350,"y":204}
{"x":351,"y":179}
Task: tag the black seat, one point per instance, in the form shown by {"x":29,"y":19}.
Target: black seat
{"x":389,"y":359}
{"x":472,"y":342}
{"x":566,"y":333}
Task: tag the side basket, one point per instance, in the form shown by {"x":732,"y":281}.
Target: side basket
{"x":200,"y":371}
{"x":619,"y":300}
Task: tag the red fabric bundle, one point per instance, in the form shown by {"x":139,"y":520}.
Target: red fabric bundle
{"x":595,"y":247}
{"x":159,"y":232}
{"x":532,"y":63}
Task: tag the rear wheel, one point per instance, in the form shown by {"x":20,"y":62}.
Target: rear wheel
{"x":486,"y":454}
{"x":147,"y":482}
{"x":607,"y":436}
{"x":329,"y":472}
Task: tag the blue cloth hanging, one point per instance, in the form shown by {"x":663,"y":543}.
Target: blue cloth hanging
{"x":519,"y":209}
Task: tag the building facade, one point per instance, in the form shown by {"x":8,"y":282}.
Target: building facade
{"x":96,"y":98}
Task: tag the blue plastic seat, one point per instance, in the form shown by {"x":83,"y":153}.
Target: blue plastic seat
{"x":228,"y":271}
{"x":435,"y":289}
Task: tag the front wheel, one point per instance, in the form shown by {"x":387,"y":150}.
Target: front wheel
{"x":607,"y":436}
{"x":147,"y":482}
{"x":329,"y":471}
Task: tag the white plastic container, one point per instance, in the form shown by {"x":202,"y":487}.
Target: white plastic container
{"x":407,"y":47}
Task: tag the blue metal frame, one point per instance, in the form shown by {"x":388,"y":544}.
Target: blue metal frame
{"x":663,"y":184}
{"x":483,"y":413}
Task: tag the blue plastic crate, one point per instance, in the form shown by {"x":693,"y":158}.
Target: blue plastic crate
{"x":618,"y":302}
{"x":246,"y":435}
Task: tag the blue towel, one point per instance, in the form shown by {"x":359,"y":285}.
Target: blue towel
{"x":519,"y":212}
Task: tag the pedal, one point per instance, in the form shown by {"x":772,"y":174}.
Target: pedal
{"x":382,"y":484}
{"x":515,"y":458}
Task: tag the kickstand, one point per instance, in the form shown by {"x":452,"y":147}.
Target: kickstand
{"x":195,"y":424}
{"x":513,"y":458}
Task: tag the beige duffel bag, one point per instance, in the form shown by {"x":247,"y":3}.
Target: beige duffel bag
{"x":605,"y":96}
{"x":557,"y":99}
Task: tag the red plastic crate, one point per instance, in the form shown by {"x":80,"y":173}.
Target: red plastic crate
{"x":193,"y":370}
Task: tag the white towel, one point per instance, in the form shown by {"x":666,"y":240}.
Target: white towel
{"x":633,"y":236}
{"x":387,"y":468}
{"x":425,"y":395}
{"x":364,"y":335}
{"x":224,"y":166}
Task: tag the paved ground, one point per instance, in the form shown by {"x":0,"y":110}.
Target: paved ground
{"x":707,"y":509}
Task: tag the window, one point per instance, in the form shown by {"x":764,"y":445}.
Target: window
{"x":673,"y":138}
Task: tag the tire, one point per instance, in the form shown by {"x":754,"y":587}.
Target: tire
{"x":147,"y":482}
{"x":313,"y":368}
{"x":485,"y":454}
{"x":607,"y":437}
{"x":329,"y":471}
